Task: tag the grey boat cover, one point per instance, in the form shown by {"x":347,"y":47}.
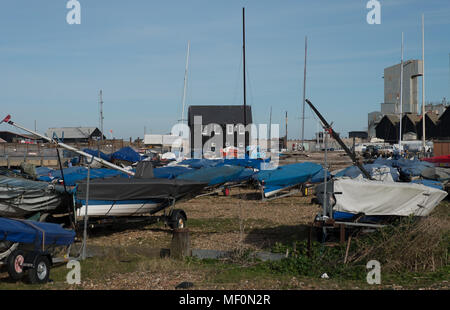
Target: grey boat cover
{"x":21,"y":197}
{"x":385,"y":198}
{"x":115,"y":189}
{"x":436,"y":173}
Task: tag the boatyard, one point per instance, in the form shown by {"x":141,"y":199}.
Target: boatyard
{"x":277,"y":185}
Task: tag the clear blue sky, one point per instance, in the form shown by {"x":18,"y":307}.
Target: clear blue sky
{"x":135,"y":51}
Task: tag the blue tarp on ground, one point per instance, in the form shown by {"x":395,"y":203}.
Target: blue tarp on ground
{"x":286,"y":176}
{"x":24,"y":232}
{"x":213,"y":175}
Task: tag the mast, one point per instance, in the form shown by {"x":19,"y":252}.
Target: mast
{"x":185,"y":82}
{"x":270,"y":129}
{"x":401,"y":100}
{"x":101,"y":114}
{"x":245,"y":90}
{"x":304,"y":95}
{"x":286,"y":144}
{"x":423,"y":84}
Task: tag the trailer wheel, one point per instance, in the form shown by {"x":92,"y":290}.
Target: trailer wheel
{"x":177,"y":219}
{"x":15,"y":264}
{"x":40,"y":273}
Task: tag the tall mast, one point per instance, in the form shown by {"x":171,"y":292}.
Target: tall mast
{"x":401,"y":100}
{"x":270,"y":129}
{"x":423,"y":84}
{"x":185,"y":82}
{"x":101,"y":114}
{"x":304,"y":94}
{"x":286,"y":131}
{"x":245,"y":90}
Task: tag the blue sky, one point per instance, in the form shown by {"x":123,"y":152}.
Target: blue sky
{"x":135,"y":52}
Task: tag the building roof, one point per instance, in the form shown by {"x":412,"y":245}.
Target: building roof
{"x":220,"y":114}
{"x":394,"y":119}
{"x":414,"y":118}
{"x":72,"y":132}
{"x":433,"y":117}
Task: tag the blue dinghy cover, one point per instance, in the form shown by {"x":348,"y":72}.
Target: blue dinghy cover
{"x":170,"y":172}
{"x":74,"y":174}
{"x":127,"y":154}
{"x":408,"y":167}
{"x":96,"y":153}
{"x":286,"y":176}
{"x":214,"y":175}
{"x":25,"y":232}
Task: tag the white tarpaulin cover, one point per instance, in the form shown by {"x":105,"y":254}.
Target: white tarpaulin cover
{"x":385,"y":198}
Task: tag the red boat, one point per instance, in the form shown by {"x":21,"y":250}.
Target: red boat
{"x":439,"y":161}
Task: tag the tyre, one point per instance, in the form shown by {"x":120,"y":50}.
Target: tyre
{"x":15,"y":264}
{"x":40,"y":273}
{"x":177,"y":219}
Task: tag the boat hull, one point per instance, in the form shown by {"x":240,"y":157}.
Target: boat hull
{"x":98,"y":208}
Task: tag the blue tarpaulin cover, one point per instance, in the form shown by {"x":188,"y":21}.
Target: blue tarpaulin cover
{"x":74,"y":174}
{"x":288,"y":175}
{"x":213,"y":175}
{"x":170,"y":172}
{"x":25,"y":232}
{"x":96,"y":153}
{"x":197,"y":163}
{"x":127,"y":154}
{"x":409,"y":167}
{"x":372,"y":169}
{"x":430,"y":183}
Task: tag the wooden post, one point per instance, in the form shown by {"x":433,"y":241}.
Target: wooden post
{"x":342,"y":233}
{"x":181,"y":244}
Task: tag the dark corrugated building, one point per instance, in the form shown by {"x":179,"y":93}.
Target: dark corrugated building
{"x":409,"y":123}
{"x":230,"y":119}
{"x":443,"y":127}
{"x":431,"y":131}
{"x":12,"y":137}
{"x":388,"y":128}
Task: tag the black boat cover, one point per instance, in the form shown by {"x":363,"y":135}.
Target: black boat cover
{"x":138,"y":189}
{"x":21,"y":197}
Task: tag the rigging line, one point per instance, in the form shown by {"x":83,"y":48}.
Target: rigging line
{"x":238,"y":80}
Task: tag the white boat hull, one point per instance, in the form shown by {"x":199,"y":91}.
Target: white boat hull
{"x":117,"y":209}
